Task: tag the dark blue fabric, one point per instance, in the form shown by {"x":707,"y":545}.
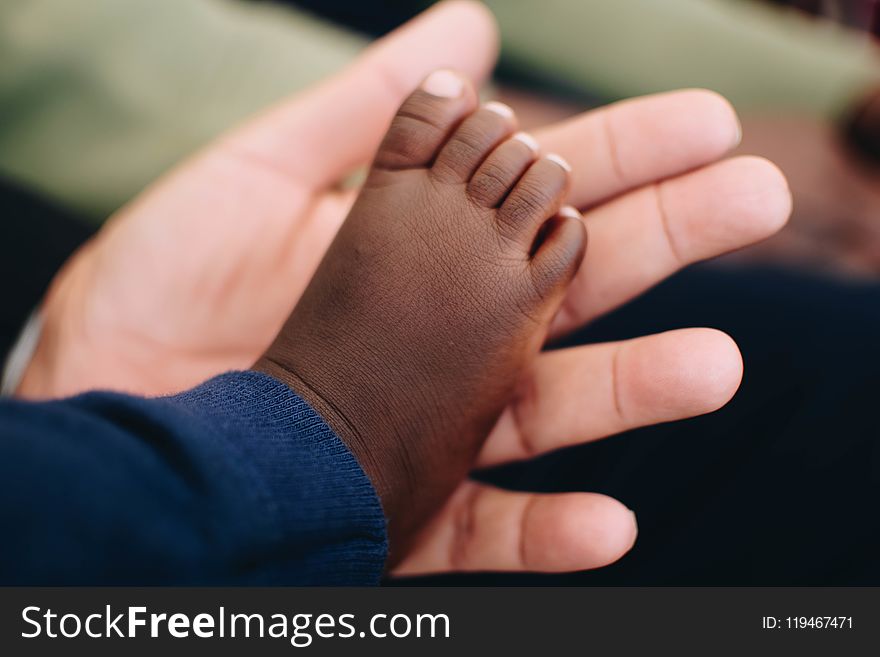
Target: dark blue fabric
{"x":238,"y":481}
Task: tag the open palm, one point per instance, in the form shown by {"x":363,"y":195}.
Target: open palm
{"x":197,"y":275}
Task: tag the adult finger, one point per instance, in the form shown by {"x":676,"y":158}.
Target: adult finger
{"x":483,"y":528}
{"x":577,"y":395}
{"x":634,"y":142}
{"x":644,"y":236}
{"x":322,"y":135}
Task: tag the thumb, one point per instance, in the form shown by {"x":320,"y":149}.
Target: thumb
{"x":319,"y":136}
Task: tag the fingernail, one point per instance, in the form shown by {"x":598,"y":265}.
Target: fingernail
{"x":528,"y":140}
{"x":444,"y":84}
{"x":499,"y":108}
{"x":635,"y":521}
{"x":739,"y":133}
{"x":558,"y":159}
{"x":570,"y":211}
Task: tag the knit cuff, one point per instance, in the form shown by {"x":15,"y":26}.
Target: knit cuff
{"x":319,"y":494}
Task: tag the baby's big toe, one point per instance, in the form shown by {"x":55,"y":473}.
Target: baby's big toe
{"x":425,"y":120}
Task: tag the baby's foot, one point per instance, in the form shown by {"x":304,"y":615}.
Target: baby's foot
{"x":435,"y":294}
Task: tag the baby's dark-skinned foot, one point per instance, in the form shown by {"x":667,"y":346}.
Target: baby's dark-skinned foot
{"x":435,"y":294}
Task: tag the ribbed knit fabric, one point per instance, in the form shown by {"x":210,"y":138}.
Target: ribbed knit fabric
{"x":237,"y":481}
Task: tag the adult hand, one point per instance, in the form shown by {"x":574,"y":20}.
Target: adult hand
{"x":197,"y":275}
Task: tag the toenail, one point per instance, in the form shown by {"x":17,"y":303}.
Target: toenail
{"x":570,"y":211}
{"x":444,"y":84}
{"x":528,"y":140}
{"x":499,"y":108}
{"x":558,"y":159}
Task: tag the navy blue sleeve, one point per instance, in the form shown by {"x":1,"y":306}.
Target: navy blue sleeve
{"x":237,"y":481}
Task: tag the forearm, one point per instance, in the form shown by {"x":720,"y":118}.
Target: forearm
{"x":237,"y":481}
{"x":756,"y":55}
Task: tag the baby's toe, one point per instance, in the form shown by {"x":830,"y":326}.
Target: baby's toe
{"x":559,"y":251}
{"x":534,"y":198}
{"x":473,"y":141}
{"x":425,"y":120}
{"x":491,"y":183}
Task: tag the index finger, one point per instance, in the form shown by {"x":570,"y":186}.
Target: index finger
{"x":635,"y":142}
